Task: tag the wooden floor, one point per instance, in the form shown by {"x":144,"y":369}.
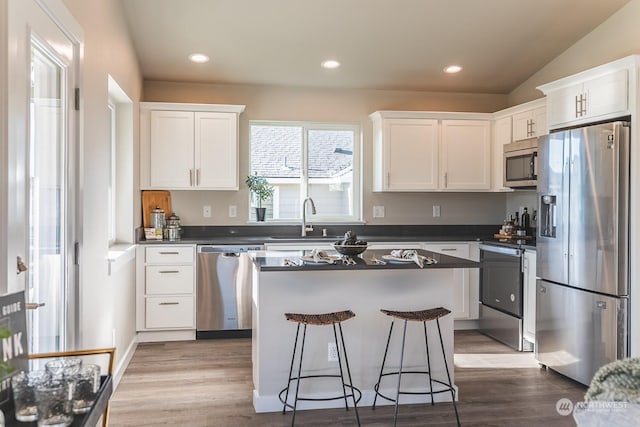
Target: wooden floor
{"x":208,"y":383}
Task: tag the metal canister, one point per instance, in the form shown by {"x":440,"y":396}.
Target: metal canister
{"x":156,"y":218}
{"x":173,"y":233}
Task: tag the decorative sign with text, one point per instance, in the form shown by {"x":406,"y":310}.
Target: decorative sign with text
{"x":13,"y":340}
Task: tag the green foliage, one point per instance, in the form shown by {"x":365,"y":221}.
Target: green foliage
{"x":260,"y":188}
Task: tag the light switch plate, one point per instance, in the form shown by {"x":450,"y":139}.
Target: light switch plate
{"x":206,"y":211}
{"x":436,"y":211}
{"x":233,"y":211}
{"x":378,"y":211}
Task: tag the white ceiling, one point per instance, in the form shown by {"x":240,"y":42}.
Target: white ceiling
{"x":382,"y":44}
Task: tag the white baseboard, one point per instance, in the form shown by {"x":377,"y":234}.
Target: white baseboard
{"x":124,"y":362}
{"x":461,"y":325}
{"x":159,"y":336}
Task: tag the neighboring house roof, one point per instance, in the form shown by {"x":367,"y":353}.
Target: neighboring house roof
{"x":276,"y":151}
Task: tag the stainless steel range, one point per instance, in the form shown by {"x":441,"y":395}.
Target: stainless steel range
{"x":501,"y":294}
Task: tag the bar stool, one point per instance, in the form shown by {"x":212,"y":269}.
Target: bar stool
{"x":324,"y":319}
{"x":423,"y":316}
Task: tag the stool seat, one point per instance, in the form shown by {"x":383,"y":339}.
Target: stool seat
{"x":418,"y":315}
{"x":320,"y":319}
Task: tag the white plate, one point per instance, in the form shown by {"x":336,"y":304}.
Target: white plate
{"x":392,"y":259}
{"x":309,"y":260}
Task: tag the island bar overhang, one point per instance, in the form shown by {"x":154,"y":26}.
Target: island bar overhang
{"x":364,"y":290}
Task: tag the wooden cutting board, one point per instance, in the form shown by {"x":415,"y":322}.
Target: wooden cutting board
{"x":151,"y":199}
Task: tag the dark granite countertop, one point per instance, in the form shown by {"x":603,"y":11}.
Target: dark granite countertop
{"x":272,"y":234}
{"x":275,"y":261}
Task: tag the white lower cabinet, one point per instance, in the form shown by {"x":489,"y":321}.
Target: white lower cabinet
{"x":529,"y":290}
{"x":467,"y":280}
{"x":165,"y":288}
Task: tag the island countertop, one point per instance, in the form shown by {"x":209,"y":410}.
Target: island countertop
{"x":276,"y":261}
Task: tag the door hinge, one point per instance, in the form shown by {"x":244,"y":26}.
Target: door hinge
{"x":77,"y":99}
{"x":76,"y":253}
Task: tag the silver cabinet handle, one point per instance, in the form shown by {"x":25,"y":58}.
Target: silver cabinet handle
{"x":449,"y":249}
{"x":170,"y":303}
{"x":584,"y":104}
{"x":388,"y":180}
{"x":197,"y":176}
{"x":169,"y":253}
{"x":445,"y":180}
{"x":578,"y":101}
{"x":168,"y":271}
{"x":191,"y":177}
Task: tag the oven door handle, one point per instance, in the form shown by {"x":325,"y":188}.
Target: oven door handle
{"x":501,"y":250}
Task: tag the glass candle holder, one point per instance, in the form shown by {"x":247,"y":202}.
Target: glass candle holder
{"x":65,"y":367}
{"x":87,"y":383}
{"x":23,"y":385}
{"x":54,"y":403}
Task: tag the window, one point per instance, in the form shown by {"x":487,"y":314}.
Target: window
{"x":111,"y":190}
{"x":300,"y":160}
{"x":120,"y":156}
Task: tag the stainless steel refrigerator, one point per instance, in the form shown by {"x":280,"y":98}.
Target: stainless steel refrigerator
{"x":582,"y":249}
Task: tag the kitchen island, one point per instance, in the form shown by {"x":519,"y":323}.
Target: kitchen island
{"x":364,"y":287}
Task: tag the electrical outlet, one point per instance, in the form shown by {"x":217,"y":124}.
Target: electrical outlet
{"x":332,"y":353}
{"x":233,"y":211}
{"x":378,"y":211}
{"x":206,"y":211}
{"x":436,"y":211}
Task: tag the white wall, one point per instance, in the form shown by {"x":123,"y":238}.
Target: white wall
{"x":615,"y":38}
{"x":106,"y":303}
{"x":332,"y":105}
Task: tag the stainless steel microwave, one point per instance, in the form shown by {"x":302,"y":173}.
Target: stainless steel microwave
{"x":521,"y":164}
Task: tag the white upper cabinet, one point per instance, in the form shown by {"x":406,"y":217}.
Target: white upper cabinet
{"x":600,"y":93}
{"x":415,"y":151}
{"x":409,"y":155}
{"x":530,"y":124}
{"x":189,"y":146}
{"x":171,"y":149}
{"x":466,"y":155}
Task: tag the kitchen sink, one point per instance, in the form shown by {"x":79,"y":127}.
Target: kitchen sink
{"x":308,"y":238}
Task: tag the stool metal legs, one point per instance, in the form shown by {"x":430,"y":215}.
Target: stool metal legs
{"x":448,"y":385}
{"x":341,"y":356}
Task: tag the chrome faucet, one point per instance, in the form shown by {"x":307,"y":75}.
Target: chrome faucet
{"x":304,"y":215}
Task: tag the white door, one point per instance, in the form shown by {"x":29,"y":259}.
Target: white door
{"x":43,"y":68}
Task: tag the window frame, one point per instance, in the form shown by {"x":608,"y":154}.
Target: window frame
{"x":356,"y":203}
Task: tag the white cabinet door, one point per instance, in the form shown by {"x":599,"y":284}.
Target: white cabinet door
{"x":530,"y":124}
{"x":465,"y":291}
{"x":171,"y":149}
{"x":216,"y":151}
{"x":501,"y":136}
{"x":410,"y":154}
{"x":529,"y":303}
{"x":607,"y":94}
{"x":466,"y":155}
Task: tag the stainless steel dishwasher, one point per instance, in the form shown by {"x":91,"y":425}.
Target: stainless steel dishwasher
{"x":224,"y":291}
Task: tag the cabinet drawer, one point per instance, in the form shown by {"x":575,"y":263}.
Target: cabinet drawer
{"x":459,"y":250}
{"x":169,"y":279}
{"x":169,"y":312}
{"x":169,"y":254}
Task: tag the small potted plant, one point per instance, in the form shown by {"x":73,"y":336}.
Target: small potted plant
{"x":261,"y":190}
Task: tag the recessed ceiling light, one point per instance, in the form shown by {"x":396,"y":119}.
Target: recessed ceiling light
{"x":200,"y":58}
{"x":330,"y":63}
{"x":452,"y":69}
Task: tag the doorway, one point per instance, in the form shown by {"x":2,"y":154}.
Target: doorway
{"x":43,"y":146}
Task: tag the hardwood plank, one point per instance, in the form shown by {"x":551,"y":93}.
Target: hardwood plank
{"x":209,"y":383}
